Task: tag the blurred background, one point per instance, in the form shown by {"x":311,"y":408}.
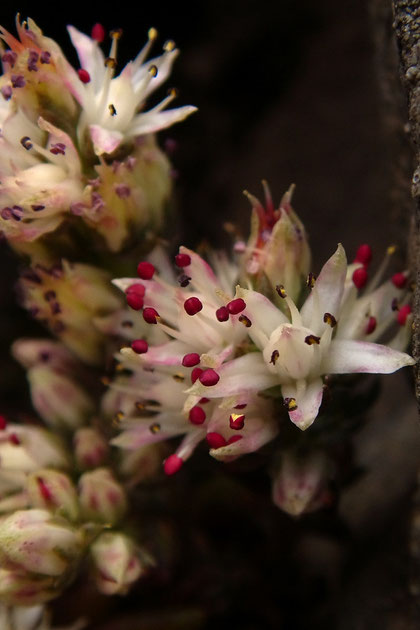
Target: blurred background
{"x":291,"y":92}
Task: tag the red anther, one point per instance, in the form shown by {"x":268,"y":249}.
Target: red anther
{"x":215,"y":440}
{"x":182,"y":260}
{"x":191,"y":359}
{"x":98,"y":33}
{"x":172,"y":464}
{"x":3,"y":423}
{"x":140,"y":346}
{"x":203,"y":400}
{"x":236,"y":306}
{"x":360,"y":277}
{"x":195,"y":374}
{"x":145,"y":270}
{"x":222,"y":314}
{"x":234,"y":438}
{"x":241,"y":406}
{"x":209,"y":377}
{"x":197,"y":415}
{"x":13,"y":439}
{"x":138,"y":288}
{"x":236,"y":421}
{"x":399,"y":280}
{"x":84,"y":75}
{"x":371,"y":325}
{"x":44,"y":490}
{"x":193,"y":305}
{"x":364,"y":254}
{"x":403,"y":313}
{"x":134,"y":300}
{"x":150,"y":315}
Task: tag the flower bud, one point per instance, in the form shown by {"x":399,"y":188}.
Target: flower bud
{"x":53,"y":491}
{"x":101,"y":497}
{"x":277,"y":251}
{"x":300,"y":484}
{"x":35,"y":541}
{"x":68,"y":298}
{"x":19,"y":588}
{"x":116,"y":563}
{"x":60,"y":402}
{"x":129,"y":198}
{"x":143,"y":463}
{"x":90,"y":448}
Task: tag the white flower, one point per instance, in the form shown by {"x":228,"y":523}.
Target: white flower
{"x":111,"y":106}
{"x":296,"y":352}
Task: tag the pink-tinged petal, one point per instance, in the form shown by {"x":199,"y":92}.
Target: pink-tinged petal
{"x":241,"y":376}
{"x":308,"y":397}
{"x":105,"y":141}
{"x":264,"y":315}
{"x":170,"y":353}
{"x":349,"y":356}
{"x":71,"y":161}
{"x":138,"y":432}
{"x":90,"y":55}
{"x":203,"y":278}
{"x":154,"y":121}
{"x":190,"y":442}
{"x":327,"y":293}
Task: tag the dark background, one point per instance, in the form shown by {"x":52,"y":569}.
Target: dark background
{"x":287,"y":91}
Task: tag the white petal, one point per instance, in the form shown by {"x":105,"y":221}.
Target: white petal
{"x":348,"y":356}
{"x":327,"y":293}
{"x":264,"y":315}
{"x":90,"y":56}
{"x":105,"y":141}
{"x":308,"y":396}
{"x":154,"y":121}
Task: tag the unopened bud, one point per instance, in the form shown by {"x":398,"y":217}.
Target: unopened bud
{"x":116,"y":563}
{"x":19,"y":588}
{"x":90,"y":448}
{"x":101,"y":497}
{"x":53,"y":491}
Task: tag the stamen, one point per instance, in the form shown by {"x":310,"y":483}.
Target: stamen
{"x":116,"y":33}
{"x":44,"y":490}
{"x":233,"y":439}
{"x":363,"y":254}
{"x":139,"y":60}
{"x":145,"y":270}
{"x":6,"y":92}
{"x":112,"y":110}
{"x":172,"y":464}
{"x":169,"y":45}
{"x":399,"y":280}
{"x":26,"y":143}
{"x":204,"y":400}
{"x":178,"y":377}
{"x":310,"y":280}
{"x":403,"y":313}
{"x":312,"y":339}
{"x":290,"y":404}
{"x":111,"y":63}
{"x":394,"y":304}
{"x":360,"y":277}
{"x":37,"y":207}
{"x":236,"y":306}
{"x":371,"y":325}
{"x":58,"y":148}
{"x":193,"y":305}
{"x":215,"y":440}
{"x":154,"y":428}
{"x":236,"y":421}
{"x":140,"y":346}
{"x":209,"y":377}
{"x":191,"y":359}
{"x":98,"y":33}
{"x":330,"y":320}
{"x":134,"y":296}
{"x":241,"y":406}
{"x":18,"y":81}
{"x":45,"y":57}
{"x":274,"y":357}
{"x":13,"y":439}
{"x":197,"y":415}
{"x":195,"y":374}
{"x":184,"y":280}
{"x":222,"y":314}
{"x":150,"y":315}
{"x":182,"y":260}
{"x":281,"y":291}
{"x":245,"y":321}
{"x":153,"y":71}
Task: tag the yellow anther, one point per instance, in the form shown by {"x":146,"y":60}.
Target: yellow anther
{"x":153,"y":71}
{"x":330,"y":319}
{"x":169,"y":46}
{"x":112,"y":110}
{"x":281,"y":291}
{"x":154,"y":428}
{"x":152,"y":34}
{"x":310,"y":281}
{"x":110,"y":62}
{"x":274,"y":357}
{"x":312,"y":339}
{"x":180,"y":378}
{"x":116,"y":33}
{"x":173,"y":92}
{"x":391,"y":250}
{"x":140,"y":406}
{"x":245,"y":321}
{"x":290,"y":404}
